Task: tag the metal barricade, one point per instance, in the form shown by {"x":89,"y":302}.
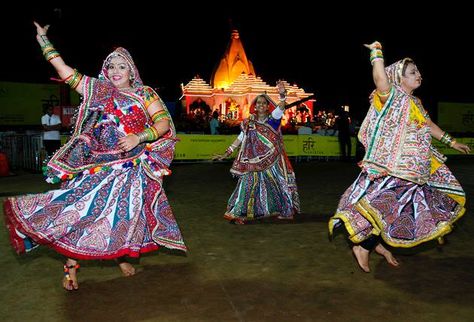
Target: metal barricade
{"x":32,"y":151}
{"x":8,"y":146}
{"x":24,"y":151}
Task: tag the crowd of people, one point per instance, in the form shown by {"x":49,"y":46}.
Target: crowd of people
{"x":322,"y":123}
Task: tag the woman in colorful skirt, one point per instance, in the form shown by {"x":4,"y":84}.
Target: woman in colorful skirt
{"x":111,"y":203}
{"x":405,"y":194}
{"x":266,"y":185}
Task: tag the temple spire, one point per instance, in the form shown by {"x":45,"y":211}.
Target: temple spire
{"x":232,"y":64}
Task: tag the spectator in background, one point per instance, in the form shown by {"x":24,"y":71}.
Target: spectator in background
{"x":214,"y":123}
{"x":51,"y":126}
{"x":306,"y":128}
{"x":343,"y":123}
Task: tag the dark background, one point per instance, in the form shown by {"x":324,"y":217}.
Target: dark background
{"x":317,"y":47}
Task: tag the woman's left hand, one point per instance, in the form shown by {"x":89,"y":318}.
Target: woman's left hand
{"x":41,"y":33}
{"x":374,"y":45}
{"x":128,"y":142}
{"x":461,"y":148}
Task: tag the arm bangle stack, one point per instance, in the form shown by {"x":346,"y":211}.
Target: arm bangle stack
{"x":375,"y":55}
{"x":160,"y":115}
{"x":230,"y":149}
{"x":447,"y":139}
{"x":383,"y":94}
{"x":149,"y":134}
{"x":49,"y":52}
{"x":74,"y":79}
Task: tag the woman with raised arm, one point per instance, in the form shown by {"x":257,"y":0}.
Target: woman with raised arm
{"x":266,"y":185}
{"x":405,"y":195}
{"x":111,"y":203}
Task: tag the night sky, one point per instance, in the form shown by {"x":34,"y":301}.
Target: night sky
{"x":320,"y":49}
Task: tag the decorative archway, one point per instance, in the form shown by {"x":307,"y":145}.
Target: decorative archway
{"x":199,"y":108}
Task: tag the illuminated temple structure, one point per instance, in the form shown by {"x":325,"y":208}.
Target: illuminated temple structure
{"x":234,"y":85}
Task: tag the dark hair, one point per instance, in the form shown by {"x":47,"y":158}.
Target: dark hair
{"x":47,"y":106}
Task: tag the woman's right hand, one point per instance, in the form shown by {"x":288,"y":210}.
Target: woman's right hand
{"x":374,"y":45}
{"x":41,"y":32}
{"x":219,"y":157}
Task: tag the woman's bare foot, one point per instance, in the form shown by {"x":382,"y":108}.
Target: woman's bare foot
{"x":126,"y":268}
{"x":379,"y":249}
{"x":362,"y":256}
{"x":70,"y":275}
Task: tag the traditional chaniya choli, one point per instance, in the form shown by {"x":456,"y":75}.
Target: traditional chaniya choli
{"x":266,"y":181}
{"x":405,"y":193}
{"x":111,"y":203}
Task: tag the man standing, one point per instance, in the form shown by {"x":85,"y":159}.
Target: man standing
{"x":51,"y":126}
{"x":214,"y":123}
{"x":343,"y":123}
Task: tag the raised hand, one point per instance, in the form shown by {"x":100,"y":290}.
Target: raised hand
{"x":41,"y":33}
{"x":281,"y":88}
{"x":374,"y":45}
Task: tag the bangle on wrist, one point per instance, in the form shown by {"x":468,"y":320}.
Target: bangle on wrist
{"x":384,"y":94}
{"x":44,"y":38}
{"x":375,"y":55}
{"x":447,"y":139}
{"x":148,"y":134}
{"x":230,"y":149}
{"x":142,"y":137}
{"x":74,"y":79}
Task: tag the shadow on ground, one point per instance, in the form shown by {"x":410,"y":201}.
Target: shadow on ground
{"x":434,"y":280}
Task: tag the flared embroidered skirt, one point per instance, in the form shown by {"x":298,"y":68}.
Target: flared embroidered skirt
{"x":261,"y":194}
{"x":105,"y":215}
{"x":403,"y":213}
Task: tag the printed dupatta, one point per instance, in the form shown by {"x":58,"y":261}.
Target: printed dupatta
{"x":261,"y":146}
{"x":260,"y":149}
{"x":93,"y":144}
{"x":396,"y":145}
